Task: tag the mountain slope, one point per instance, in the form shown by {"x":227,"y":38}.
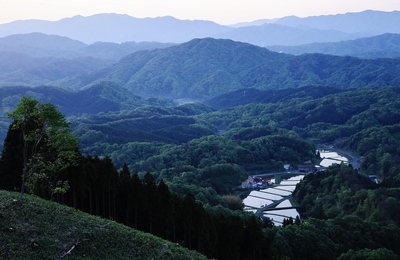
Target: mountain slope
{"x":102,"y":97}
{"x":22,"y":69}
{"x":37,"y":229}
{"x":201,"y":67}
{"x":248,"y":96}
{"x":41,"y":45}
{"x":204,"y":68}
{"x":381,"y":46}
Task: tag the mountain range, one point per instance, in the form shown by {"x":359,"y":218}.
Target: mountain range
{"x":117,"y":28}
{"x":284,"y":31}
{"x":199,"y":69}
{"x":39,"y":45}
{"x":128,"y":87}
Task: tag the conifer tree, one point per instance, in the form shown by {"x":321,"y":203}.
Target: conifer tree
{"x":11,"y":161}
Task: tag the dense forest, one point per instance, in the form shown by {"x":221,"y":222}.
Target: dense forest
{"x":173,"y":171}
{"x":171,"y":165}
{"x":199,"y":70}
{"x":204,"y":68}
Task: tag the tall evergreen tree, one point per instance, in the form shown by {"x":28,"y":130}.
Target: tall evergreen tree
{"x":150,"y":191}
{"x":165,"y":210}
{"x":123,"y":196}
{"x":137,"y":199}
{"x":11,"y":163}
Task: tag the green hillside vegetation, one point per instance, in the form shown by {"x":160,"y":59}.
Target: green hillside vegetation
{"x":38,"y":229}
{"x":345,"y":215}
{"x":364,"y":120}
{"x":359,"y":215}
{"x":254,"y":96}
{"x":200,"y":69}
{"x":253,"y":138}
{"x":191,"y":138}
{"x":40,"y":146}
{"x":205,"y":68}
{"x":22,"y":69}
{"x":174,"y":170}
{"x":177,"y":141}
{"x":101,"y":97}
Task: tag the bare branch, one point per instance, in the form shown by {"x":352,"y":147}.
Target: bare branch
{"x":64,"y":254}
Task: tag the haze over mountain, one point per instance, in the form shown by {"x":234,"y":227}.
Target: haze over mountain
{"x":277,"y":34}
{"x":381,"y":46}
{"x":21,"y":69}
{"x":203,"y":115}
{"x":104,"y":97}
{"x":117,"y":28}
{"x":203,"y":68}
{"x":200,"y":69}
{"x":122,"y":28}
{"x":369,"y":22}
{"x":39,"y":45}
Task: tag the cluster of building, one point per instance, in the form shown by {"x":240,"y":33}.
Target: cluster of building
{"x":256,"y":182}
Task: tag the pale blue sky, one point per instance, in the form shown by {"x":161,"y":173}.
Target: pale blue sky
{"x":222,"y":12}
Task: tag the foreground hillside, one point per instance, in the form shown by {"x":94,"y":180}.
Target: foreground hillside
{"x":37,"y":229}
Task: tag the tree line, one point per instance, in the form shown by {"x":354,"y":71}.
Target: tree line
{"x":96,"y":187}
{"x":93,"y":185}
{"x":344,"y":213}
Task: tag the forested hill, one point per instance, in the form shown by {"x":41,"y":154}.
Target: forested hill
{"x":204,"y":68}
{"x":199,"y":69}
{"x":101,"y":97}
{"x":251,"y":95}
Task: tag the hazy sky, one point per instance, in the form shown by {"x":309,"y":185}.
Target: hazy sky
{"x":220,"y":11}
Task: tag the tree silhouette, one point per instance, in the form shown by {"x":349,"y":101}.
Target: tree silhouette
{"x":48,"y":147}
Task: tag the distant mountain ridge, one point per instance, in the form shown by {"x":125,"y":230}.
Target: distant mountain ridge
{"x":278,"y":34}
{"x":117,"y":28}
{"x":39,"y":45}
{"x":123,"y":28}
{"x":369,"y":21}
{"x":381,"y":46}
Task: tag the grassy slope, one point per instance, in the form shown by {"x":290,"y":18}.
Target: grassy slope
{"x":38,"y":229}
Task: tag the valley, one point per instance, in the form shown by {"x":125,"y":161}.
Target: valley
{"x":168,"y":126}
